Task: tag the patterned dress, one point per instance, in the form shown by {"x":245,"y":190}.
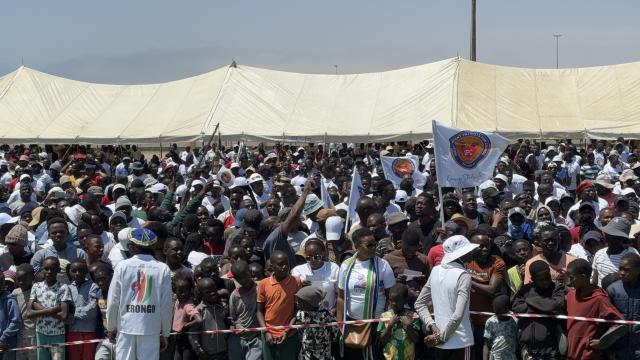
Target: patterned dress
{"x":316,"y":342}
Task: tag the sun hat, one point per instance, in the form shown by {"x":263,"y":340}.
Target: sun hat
{"x":618,"y":226}
{"x":149,"y":181}
{"x":502,"y":177}
{"x":142,"y":237}
{"x":456,"y":247}
{"x":17,"y":235}
{"x":457,"y":218}
{"x":334,"y":226}
{"x":627,"y":174}
{"x":8,"y":219}
{"x":604,"y":181}
{"x":311,"y":204}
{"x":396,"y":218}
{"x":95,"y":190}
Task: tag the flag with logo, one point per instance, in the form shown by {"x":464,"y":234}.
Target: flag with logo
{"x":396,"y":168}
{"x":354,"y":195}
{"x":465,"y":158}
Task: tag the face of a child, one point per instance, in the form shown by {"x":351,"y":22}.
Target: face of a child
{"x":397,"y":302}
{"x":50,"y":270}
{"x":244,"y":279}
{"x":103,"y":279}
{"x":257,"y":272}
{"x":24,"y":280}
{"x":628,"y":273}
{"x":182,"y":290}
{"x":208,"y":292}
{"x":522,"y":251}
{"x":78,"y":272}
{"x":280,"y":266}
{"x":578,"y":281}
{"x":95,"y":248}
{"x":542,"y":280}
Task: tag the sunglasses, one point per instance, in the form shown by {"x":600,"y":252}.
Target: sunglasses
{"x":316,"y":257}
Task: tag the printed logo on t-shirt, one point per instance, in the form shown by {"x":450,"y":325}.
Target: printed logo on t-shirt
{"x":140,"y":293}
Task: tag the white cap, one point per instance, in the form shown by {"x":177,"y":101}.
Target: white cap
{"x":334,"y":226}
{"x":557,"y":158}
{"x":487,"y":184}
{"x":401,"y":196}
{"x":255,"y":177}
{"x":25,"y":176}
{"x":502,"y":177}
{"x":234,"y":165}
{"x":181,"y":190}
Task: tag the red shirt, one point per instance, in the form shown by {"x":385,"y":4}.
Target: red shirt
{"x":595,"y":304}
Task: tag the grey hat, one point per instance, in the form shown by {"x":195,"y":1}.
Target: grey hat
{"x":618,"y":226}
{"x":311,"y":204}
{"x":311,"y":295}
{"x":137,"y":165}
{"x":123,"y":201}
{"x":490,"y":192}
{"x":396,"y":218}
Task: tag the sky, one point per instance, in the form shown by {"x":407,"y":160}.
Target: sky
{"x":144,"y":41}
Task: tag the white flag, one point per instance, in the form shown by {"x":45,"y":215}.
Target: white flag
{"x":465,"y":158}
{"x":395,"y":168}
{"x":354,"y":196}
{"x":324,"y":194}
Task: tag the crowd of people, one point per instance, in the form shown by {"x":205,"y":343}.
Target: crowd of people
{"x":153,"y":256}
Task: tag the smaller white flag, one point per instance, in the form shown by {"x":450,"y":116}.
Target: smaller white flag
{"x":354,"y":195}
{"x":465,"y":158}
{"x":396,"y":168}
{"x":324,"y":193}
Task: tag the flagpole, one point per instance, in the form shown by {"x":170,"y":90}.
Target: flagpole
{"x":435,"y":156}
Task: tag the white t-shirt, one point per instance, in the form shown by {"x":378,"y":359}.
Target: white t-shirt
{"x":573,"y":169}
{"x":605,"y":264}
{"x":357,"y":284}
{"x":325,"y":279}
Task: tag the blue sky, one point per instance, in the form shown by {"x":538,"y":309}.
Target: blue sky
{"x":146,"y":41}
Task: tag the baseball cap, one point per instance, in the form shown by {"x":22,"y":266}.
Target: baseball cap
{"x":239,"y":182}
{"x":254,"y":178}
{"x":334,"y":227}
{"x":95,"y":190}
{"x":517,"y":210}
{"x":401,"y":197}
{"x":122,"y":201}
{"x":490,"y":192}
{"x":25,"y":177}
{"x":592,"y":235}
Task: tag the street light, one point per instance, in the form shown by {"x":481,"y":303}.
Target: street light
{"x":336,"y":66}
{"x":557,"y":36}
{"x":472,"y":50}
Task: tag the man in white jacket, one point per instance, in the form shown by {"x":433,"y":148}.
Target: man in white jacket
{"x":139,"y":309}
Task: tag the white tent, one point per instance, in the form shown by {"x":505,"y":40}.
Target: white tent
{"x":258,"y":104}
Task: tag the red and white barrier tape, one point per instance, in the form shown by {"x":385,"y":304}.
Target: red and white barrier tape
{"x":337,"y":323}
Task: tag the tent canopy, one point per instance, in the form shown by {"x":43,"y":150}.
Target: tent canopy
{"x":258,"y":104}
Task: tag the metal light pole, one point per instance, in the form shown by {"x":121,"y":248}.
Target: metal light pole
{"x":472,"y":51}
{"x":336,"y":66}
{"x":557,"y":36}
